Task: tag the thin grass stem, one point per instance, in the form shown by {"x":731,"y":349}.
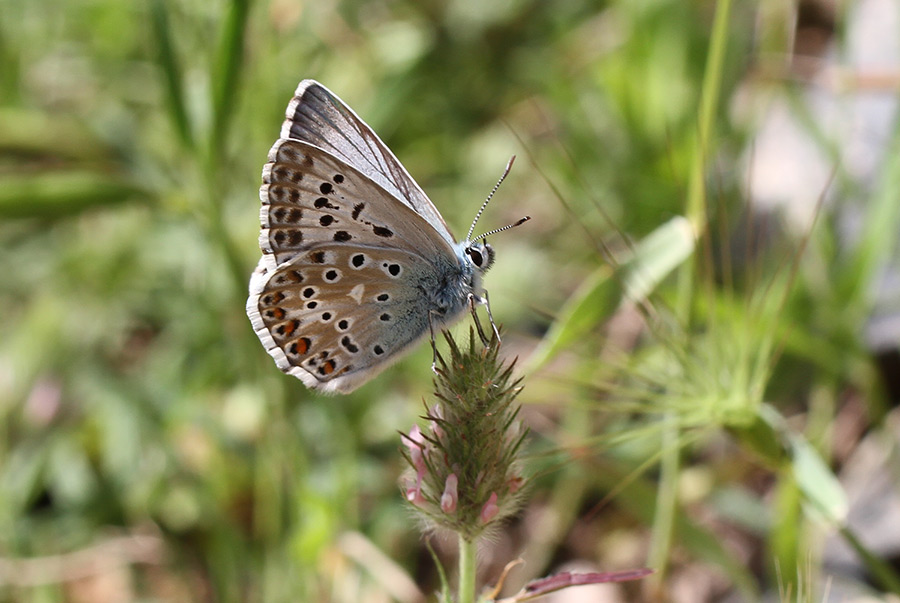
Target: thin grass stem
{"x":695,"y":212}
{"x":172,"y":72}
{"x":226,"y":75}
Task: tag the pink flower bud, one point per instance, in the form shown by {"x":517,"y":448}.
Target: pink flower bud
{"x":415,"y":441}
{"x":449,"y":497}
{"x":437,"y":413}
{"x":514,"y":483}
{"x":414,"y":495}
{"x":490,"y":509}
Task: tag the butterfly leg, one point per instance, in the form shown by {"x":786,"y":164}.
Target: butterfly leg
{"x":433,"y":345}
{"x":473,"y":300}
{"x":487,"y":306}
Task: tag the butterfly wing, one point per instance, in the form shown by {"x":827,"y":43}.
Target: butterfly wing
{"x":317,"y":116}
{"x":310,"y":196}
{"x":338,"y":314}
{"x":345,"y":282}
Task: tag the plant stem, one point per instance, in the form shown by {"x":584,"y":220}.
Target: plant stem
{"x":882,"y":571}
{"x":695,"y":209}
{"x":466,"y":589}
{"x":666,"y":498}
{"x":172,"y":72}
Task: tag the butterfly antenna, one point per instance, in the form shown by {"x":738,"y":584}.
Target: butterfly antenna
{"x":507,"y":227}
{"x":488,"y":200}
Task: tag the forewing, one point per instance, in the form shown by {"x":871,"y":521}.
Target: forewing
{"x":310,"y":197}
{"x":317,"y":116}
{"x":338,"y":314}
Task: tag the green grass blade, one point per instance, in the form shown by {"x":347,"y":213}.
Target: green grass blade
{"x":591,"y":303}
{"x":172,"y":72}
{"x":695,"y":211}
{"x":62,"y":194}
{"x":28,"y":133}
{"x":878,"y":239}
{"x":226,"y":74}
{"x":655,"y":257}
{"x":695,"y":207}
{"x":881,"y":570}
{"x":818,"y":484}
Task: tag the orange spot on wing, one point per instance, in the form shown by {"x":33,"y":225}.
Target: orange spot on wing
{"x":290,"y":327}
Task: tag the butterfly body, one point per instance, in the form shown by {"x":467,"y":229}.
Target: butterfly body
{"x":357,"y":265}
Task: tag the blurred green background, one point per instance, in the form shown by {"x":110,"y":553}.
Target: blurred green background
{"x":719,"y":411}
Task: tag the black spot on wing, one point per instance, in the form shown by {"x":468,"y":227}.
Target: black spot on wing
{"x":323,"y":203}
{"x":349,"y":345}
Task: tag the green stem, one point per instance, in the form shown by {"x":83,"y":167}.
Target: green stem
{"x":226,"y":74}
{"x":666,"y":498}
{"x":171,"y":70}
{"x":467,"y":554}
{"x":695,"y":209}
{"x":225,"y":77}
{"x":883,"y":573}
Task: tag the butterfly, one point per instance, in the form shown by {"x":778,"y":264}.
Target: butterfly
{"x":357,"y":263}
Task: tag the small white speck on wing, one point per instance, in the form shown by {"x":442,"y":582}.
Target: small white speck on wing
{"x":357,"y":292}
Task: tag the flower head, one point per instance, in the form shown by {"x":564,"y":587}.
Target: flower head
{"x":464,"y":470}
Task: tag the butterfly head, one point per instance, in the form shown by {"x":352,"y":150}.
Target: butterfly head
{"x":481,"y":255}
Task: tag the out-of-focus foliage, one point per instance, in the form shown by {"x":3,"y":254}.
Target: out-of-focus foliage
{"x":695,"y":400}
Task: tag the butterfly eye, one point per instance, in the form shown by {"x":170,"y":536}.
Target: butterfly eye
{"x":482,"y":255}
